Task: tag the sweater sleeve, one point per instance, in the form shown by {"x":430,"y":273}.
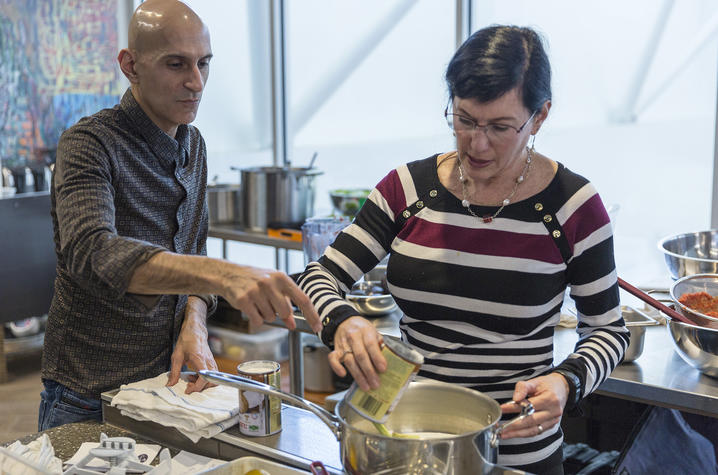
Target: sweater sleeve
{"x":603,"y":336}
{"x":357,"y":249}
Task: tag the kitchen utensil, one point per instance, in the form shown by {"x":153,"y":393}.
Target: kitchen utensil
{"x":371,"y":304}
{"x":318,"y":468}
{"x":277,"y":195}
{"x":691,"y":253}
{"x":636,"y":321}
{"x":696,"y":345}
{"x":224,"y":203}
{"x":465,"y":422}
{"x":349,"y":201}
{"x":695,"y":283}
{"x":652,"y":302}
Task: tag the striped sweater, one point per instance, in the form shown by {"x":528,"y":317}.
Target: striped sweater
{"x":481,"y":300}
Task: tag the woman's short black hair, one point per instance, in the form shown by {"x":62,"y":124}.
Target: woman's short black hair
{"x":497,"y":59}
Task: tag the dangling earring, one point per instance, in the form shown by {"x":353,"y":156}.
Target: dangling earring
{"x":533,"y":140}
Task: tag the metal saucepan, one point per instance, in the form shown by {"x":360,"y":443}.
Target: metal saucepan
{"x":457,"y":429}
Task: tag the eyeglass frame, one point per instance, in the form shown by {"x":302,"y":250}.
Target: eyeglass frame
{"x":479,"y":126}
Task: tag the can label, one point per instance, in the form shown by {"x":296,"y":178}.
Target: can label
{"x":402,"y":363}
{"x":260,"y":414}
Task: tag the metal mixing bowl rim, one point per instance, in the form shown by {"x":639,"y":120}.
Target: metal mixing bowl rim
{"x":684,"y":308}
{"x":662,"y":242}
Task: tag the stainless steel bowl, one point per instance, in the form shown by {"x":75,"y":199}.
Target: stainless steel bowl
{"x":698,"y":346}
{"x":695,"y":283}
{"x":371,"y":305}
{"x":691,"y":253}
{"x":349,"y":201}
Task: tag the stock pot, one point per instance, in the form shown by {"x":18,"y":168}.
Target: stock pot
{"x":277,"y":195}
{"x":457,"y":429}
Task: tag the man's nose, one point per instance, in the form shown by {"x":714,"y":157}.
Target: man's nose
{"x":196,"y":80}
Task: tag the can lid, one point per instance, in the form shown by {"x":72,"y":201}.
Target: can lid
{"x":404,"y":350}
{"x":258,"y":367}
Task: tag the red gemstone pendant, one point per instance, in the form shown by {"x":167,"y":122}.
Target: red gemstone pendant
{"x":487,"y":219}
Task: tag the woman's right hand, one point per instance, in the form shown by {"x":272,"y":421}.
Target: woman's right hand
{"x":357,"y":347}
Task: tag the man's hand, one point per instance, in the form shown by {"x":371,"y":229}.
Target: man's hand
{"x":192,"y":348}
{"x":357,"y":347}
{"x":263,"y":295}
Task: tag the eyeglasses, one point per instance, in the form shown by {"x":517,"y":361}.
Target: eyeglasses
{"x":462,"y":124}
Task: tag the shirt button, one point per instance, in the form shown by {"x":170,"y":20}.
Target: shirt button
{"x":538,"y":207}
{"x":433,"y":193}
{"x":419,"y":204}
{"x":547,"y":218}
{"x":556,"y":233}
{"x":325,"y":322}
{"x":406,"y":213}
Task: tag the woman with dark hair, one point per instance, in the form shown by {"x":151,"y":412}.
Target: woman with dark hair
{"x":483,"y":243}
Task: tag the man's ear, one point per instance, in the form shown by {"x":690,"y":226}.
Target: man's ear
{"x":127,"y":61}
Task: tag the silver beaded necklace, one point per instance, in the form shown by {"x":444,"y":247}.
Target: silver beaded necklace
{"x":465,"y":189}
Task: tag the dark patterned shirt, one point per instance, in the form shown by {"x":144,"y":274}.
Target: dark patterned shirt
{"x":123,"y":190}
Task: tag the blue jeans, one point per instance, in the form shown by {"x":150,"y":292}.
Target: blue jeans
{"x":59,"y":405}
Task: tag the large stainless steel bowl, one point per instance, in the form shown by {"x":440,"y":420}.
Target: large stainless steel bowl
{"x":374,"y":304}
{"x":691,"y":253}
{"x":695,"y":283}
{"x":698,"y":346}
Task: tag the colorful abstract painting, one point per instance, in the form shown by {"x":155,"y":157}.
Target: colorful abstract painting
{"x":57,"y":64}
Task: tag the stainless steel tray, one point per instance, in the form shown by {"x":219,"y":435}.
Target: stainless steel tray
{"x":303,"y":439}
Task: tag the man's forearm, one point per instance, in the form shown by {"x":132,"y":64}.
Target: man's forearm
{"x":170,"y":273}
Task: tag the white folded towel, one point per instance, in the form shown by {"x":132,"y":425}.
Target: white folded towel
{"x":196,"y":415}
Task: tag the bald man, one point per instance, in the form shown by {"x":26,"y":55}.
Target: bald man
{"x":133,"y":286}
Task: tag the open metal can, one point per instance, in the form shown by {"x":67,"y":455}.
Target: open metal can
{"x":259,"y":414}
{"x":402,"y":363}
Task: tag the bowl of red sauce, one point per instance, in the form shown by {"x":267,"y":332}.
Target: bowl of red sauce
{"x":696,"y":297}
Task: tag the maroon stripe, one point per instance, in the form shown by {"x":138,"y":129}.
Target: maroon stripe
{"x":392,"y":190}
{"x":590,"y":216}
{"x":480,"y":241}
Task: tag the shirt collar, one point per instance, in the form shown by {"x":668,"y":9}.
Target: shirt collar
{"x":166,"y":148}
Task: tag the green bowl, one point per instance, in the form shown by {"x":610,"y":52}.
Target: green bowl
{"x":348,"y":201}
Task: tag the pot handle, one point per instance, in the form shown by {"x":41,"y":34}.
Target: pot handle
{"x":246,"y":384}
{"x":527,"y":409}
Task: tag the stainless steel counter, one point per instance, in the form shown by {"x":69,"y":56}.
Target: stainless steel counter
{"x":658,"y":377}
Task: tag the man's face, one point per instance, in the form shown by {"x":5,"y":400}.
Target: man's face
{"x":172,"y":70}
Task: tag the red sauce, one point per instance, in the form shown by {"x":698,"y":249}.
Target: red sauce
{"x":701,"y":302}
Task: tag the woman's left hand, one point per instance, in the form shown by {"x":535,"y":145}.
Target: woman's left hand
{"x":548,"y":394}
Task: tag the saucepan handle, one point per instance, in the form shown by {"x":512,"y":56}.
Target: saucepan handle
{"x":526,"y":410}
{"x":246,"y":384}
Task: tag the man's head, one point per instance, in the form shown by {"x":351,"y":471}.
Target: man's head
{"x":167,"y":61}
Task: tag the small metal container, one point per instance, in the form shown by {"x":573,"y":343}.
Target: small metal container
{"x":402,"y":364}
{"x":260,"y":414}
{"x":636,"y":321}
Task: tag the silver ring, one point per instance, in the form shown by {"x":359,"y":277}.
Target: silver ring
{"x":540,"y":429}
